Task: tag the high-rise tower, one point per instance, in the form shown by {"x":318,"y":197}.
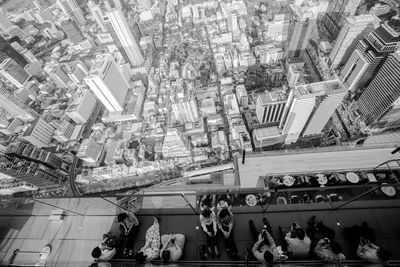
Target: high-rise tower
{"x":108,"y":83}
{"x":383,"y":91}
{"x":7,"y":51}
{"x":72,"y":10}
{"x":354,"y":30}
{"x":124,"y":33}
{"x":368,"y":56}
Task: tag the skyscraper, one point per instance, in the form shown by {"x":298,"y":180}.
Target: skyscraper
{"x":15,"y":107}
{"x":71,"y":29}
{"x":368,"y":56}
{"x":123,"y":32}
{"x":311,"y":107}
{"x":5,"y":23}
{"x":39,"y":133}
{"x":383,"y":91}
{"x":186,"y":111}
{"x":72,"y":10}
{"x":337,"y":12}
{"x":270,"y":107}
{"x":108,"y":83}
{"x":175,"y":145}
{"x":97,"y":15}
{"x":305,"y":21}
{"x":7,"y":51}
{"x":354,"y":30}
{"x":13,"y":72}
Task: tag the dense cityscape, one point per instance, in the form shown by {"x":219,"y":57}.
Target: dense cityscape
{"x":102,"y":98}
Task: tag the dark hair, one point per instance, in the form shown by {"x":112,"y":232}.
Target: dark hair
{"x":224,"y":213}
{"x":166,"y":255}
{"x":206,"y":213}
{"x":384,"y":254}
{"x":96,"y":252}
{"x":121,"y":217}
{"x":300,"y":233}
{"x":336,"y":247}
{"x":268,"y":257}
{"x":140,"y":257}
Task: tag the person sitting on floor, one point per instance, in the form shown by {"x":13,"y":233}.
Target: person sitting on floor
{"x":329,"y":251}
{"x":298,"y":243}
{"x":128,"y":225}
{"x":151,"y":250}
{"x":106,"y":250}
{"x":172,"y":247}
{"x":264,"y":249}
{"x":372,"y":253}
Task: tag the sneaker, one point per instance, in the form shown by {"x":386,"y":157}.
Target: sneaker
{"x":311,"y":221}
{"x":216,"y":251}
{"x":265,"y":221}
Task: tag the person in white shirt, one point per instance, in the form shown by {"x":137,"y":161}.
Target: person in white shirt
{"x":372,"y":253}
{"x":172,"y":247}
{"x":297,"y":242}
{"x":106,"y":250}
{"x":264,"y":249}
{"x":208,"y":221}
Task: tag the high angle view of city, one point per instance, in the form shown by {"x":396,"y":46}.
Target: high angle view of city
{"x":199,"y":133}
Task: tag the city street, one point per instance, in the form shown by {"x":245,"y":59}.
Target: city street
{"x":256,"y":166}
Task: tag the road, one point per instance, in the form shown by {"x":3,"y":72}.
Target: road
{"x":72,"y":176}
{"x":318,"y":161}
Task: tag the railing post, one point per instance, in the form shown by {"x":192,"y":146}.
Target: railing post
{"x":54,"y":206}
{"x":270,"y":200}
{"x":188,"y":203}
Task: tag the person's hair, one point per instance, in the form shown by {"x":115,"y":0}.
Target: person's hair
{"x":336,"y":247}
{"x":206,"y":202}
{"x":300,"y":233}
{"x":166,"y":255}
{"x":140,"y":257}
{"x":268,"y":257}
{"x":96,"y":252}
{"x":223,"y":213}
{"x":384,"y":254}
{"x":206,"y":213}
{"x":121,"y":217}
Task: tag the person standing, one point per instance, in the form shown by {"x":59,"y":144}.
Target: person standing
{"x":225,"y":225}
{"x":208,"y":221}
{"x":128,"y":226}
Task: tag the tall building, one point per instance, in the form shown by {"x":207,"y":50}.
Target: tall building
{"x":108,"y":83}
{"x":15,"y":107}
{"x":125,"y":36}
{"x":7,"y":51}
{"x":39,"y":133}
{"x":354,"y":30}
{"x":175,"y":145}
{"x":82,"y":107}
{"x":270,"y":107}
{"x":97,"y":15}
{"x":14,"y":73}
{"x":186,"y":111}
{"x":89,"y":151}
{"x":337,"y":12}
{"x":58,"y":74}
{"x":32,"y":172}
{"x":382,"y":93}
{"x":72,"y":10}
{"x":368,"y":56}
{"x":5,"y":23}
{"x":311,"y":107}
{"x":305,"y":22}
{"x":71,"y":29}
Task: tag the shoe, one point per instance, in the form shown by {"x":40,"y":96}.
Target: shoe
{"x":311,"y":221}
{"x":265,"y":221}
{"x":216,"y":251}
{"x":251,"y":223}
{"x":211,"y":252}
{"x":203,"y":252}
